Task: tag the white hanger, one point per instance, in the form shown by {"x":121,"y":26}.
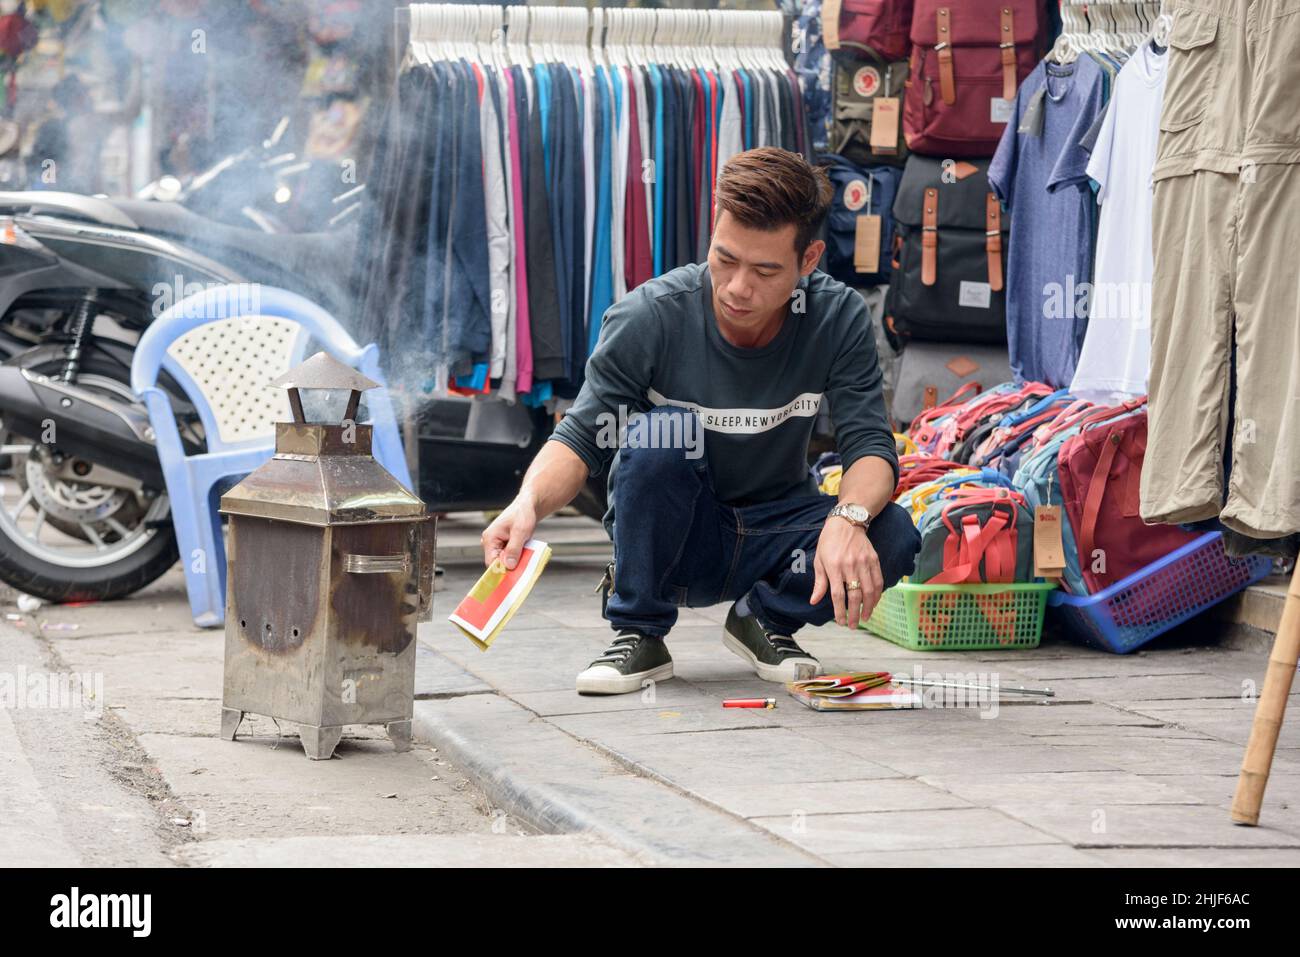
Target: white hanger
{"x":717,"y":45}
{"x":584,"y":40}
{"x":1164,"y":26}
{"x":623,"y":47}
{"x":413,"y":54}
{"x":498,"y":43}
{"x":751,"y":41}
{"x":674,"y":36}
{"x":648,"y":47}
{"x":434,"y":38}
{"x":483,"y":33}
{"x":537,"y":35}
{"x":610,"y":48}
{"x":636,"y":36}
{"x":698,"y":20}
{"x":446,"y":30}
{"x":689,"y":51}
{"x":456,"y":31}
{"x":684,"y":39}
{"x":516,"y":34}
{"x":427,"y":34}
{"x":550,"y":18}
{"x":728,"y":40}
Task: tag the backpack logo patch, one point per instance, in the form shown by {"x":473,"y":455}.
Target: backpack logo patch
{"x":855,"y":195}
{"x":866,"y":81}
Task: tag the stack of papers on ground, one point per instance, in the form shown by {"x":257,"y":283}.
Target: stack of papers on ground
{"x":497,"y":595}
{"x":857,"y":691}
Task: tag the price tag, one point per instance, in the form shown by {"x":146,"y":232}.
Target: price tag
{"x":831,"y":24}
{"x":866,"y":244}
{"x":884,"y":125}
{"x":1049,"y":551}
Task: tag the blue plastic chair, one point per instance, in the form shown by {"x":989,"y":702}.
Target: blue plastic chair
{"x":276,"y":327}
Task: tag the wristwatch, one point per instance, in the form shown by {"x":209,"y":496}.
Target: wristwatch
{"x":853,"y":514}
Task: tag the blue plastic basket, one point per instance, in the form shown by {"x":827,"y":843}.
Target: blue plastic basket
{"x":1165,"y":593}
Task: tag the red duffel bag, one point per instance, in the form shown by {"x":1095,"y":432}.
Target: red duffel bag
{"x":968,"y":58}
{"x":1101,"y":470}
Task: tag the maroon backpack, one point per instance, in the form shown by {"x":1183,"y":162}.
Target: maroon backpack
{"x":968,"y":58}
{"x":878,"y":26}
{"x":1100,"y":471}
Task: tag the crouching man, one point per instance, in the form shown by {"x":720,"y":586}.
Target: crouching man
{"x":717,"y":372}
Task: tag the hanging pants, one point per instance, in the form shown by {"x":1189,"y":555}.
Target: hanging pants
{"x":1226,"y":283}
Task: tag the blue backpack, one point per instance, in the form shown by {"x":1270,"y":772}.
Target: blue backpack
{"x":859,"y":190}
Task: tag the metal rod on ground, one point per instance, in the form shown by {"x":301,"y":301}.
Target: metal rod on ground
{"x":1045,"y":692}
{"x":1270,"y":711}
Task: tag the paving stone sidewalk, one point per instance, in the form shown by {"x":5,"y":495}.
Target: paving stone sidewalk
{"x":1134,"y":762}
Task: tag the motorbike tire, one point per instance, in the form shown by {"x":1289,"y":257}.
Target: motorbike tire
{"x":50,"y":582}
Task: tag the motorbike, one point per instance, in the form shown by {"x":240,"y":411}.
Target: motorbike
{"x":268,"y":187}
{"x":84,"y":513}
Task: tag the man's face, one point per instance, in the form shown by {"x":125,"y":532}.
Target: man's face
{"x":755,"y":271}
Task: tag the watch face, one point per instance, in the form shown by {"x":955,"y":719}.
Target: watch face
{"x":855,"y":513}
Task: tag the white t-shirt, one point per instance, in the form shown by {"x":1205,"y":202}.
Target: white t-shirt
{"x":1116,"y":353}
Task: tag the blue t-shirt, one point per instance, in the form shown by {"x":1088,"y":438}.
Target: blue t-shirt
{"x":1042,"y":179}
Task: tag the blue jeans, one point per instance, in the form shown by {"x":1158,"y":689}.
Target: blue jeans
{"x":675,"y":544}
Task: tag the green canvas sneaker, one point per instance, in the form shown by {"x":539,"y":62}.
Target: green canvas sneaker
{"x":773,"y":657}
{"x":627,"y":664}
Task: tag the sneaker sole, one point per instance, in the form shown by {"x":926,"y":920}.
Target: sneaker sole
{"x":624,"y":684}
{"x":786,"y":671}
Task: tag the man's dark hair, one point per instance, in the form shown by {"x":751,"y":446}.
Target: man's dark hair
{"x":768,"y":187}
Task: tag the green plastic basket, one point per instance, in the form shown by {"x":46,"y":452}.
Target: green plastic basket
{"x":961,"y":617}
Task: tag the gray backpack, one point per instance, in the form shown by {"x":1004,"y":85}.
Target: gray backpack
{"x":860,"y":77}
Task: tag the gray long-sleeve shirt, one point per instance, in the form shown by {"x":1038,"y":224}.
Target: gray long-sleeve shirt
{"x":660,"y":345}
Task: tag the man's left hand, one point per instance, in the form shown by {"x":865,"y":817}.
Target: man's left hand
{"x":845,"y":554}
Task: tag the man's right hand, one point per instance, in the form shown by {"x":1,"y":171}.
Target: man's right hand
{"x":505,"y":537}
{"x":551,"y":482}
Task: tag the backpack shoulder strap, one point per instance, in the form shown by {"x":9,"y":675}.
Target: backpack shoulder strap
{"x":930,"y":237}
{"x":993,"y":232}
{"x":1007,"y":36}
{"x":947,"y":86}
{"x":1096,"y":492}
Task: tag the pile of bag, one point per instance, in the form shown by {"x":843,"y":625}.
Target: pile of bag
{"x":988,"y":464}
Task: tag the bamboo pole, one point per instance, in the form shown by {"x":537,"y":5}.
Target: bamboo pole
{"x":1270,"y":710}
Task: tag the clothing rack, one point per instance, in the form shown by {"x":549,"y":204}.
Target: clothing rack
{"x":641,"y":109}
{"x":1106,"y":25}
{"x":635,"y":35}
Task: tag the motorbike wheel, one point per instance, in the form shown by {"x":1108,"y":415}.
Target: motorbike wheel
{"x":62,"y":539}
